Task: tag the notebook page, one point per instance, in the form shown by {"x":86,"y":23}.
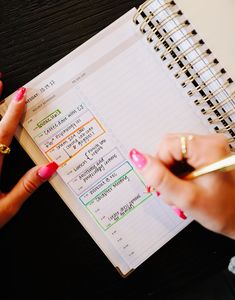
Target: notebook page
{"x":138,"y":101}
{"x":210,"y":17}
{"x":87,"y":113}
{"x":211,"y":74}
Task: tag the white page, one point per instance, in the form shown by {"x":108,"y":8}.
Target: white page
{"x":106,"y":97}
{"x":214,"y":20}
{"x":209,"y":72}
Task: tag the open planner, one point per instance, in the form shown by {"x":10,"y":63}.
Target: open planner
{"x":147,"y":74}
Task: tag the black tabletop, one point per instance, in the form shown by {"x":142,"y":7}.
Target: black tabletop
{"x":45,"y":253}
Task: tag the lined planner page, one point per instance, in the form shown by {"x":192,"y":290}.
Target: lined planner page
{"x":86,"y":113}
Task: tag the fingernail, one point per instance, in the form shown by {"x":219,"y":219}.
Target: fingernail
{"x":150,"y":189}
{"x":20,"y":94}
{"x":138,"y":159}
{"x":47,"y":171}
{"x":179,"y":212}
{"x":1,"y":75}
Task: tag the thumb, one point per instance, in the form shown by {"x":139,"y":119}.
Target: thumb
{"x":158,"y":176}
{"x":12,"y":202}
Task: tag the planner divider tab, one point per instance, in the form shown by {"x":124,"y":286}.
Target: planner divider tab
{"x":186,"y":54}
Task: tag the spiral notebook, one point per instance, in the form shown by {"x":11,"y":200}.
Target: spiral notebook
{"x":147,"y":74}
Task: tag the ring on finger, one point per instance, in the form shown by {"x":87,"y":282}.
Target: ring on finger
{"x":4,"y":149}
{"x":184,"y":144}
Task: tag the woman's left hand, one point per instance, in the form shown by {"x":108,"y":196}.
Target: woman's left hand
{"x":11,"y":202}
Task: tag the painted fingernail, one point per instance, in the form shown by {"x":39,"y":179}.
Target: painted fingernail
{"x":150,"y":189}
{"x":20,"y":94}
{"x":179,"y":212}
{"x":47,"y":171}
{"x":138,"y":159}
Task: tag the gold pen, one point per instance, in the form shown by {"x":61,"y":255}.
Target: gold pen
{"x":222,"y":165}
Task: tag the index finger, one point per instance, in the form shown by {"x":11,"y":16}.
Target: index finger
{"x":12,"y":117}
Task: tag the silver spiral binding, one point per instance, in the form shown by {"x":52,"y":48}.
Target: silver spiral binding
{"x":156,"y":28}
{"x":207,"y":82}
{"x":208,"y":97}
{"x":222,"y":116}
{"x":218,"y":105}
{"x":190,"y":65}
{"x":172,"y":47}
{"x":226,"y":128}
{"x":154,"y":14}
{"x":177,"y":59}
{"x":199,"y":73}
{"x":170,"y":33}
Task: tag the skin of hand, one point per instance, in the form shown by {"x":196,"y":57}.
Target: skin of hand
{"x":11,"y":202}
{"x":209,"y":199}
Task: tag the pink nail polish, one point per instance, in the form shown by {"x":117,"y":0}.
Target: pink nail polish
{"x":138,"y":159}
{"x":19,"y":94}
{"x":179,"y":212}
{"x":47,"y":171}
{"x":150,"y":189}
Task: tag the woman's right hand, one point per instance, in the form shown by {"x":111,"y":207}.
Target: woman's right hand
{"x":209,"y":199}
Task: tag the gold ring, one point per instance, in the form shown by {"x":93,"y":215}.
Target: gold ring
{"x":183,"y":144}
{"x":4,"y":149}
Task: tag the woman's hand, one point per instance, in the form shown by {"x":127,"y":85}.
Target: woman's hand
{"x":11,"y":202}
{"x":209,"y":199}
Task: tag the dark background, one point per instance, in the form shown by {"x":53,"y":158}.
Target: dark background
{"x":44,"y":251}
